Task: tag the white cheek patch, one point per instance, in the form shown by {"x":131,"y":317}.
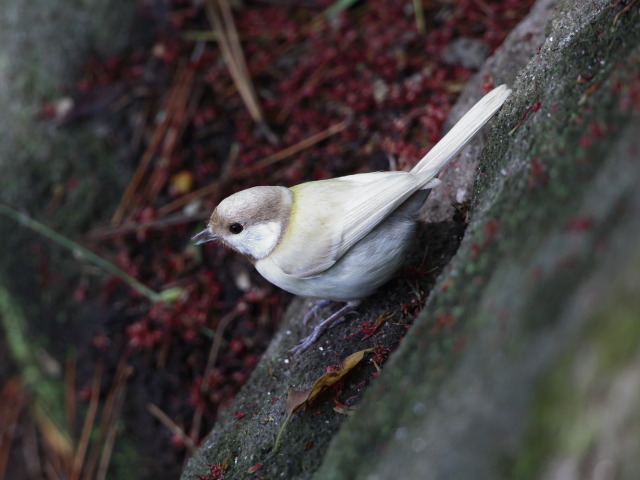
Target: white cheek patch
{"x":257,"y":240}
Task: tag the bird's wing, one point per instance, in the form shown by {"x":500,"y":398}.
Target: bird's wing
{"x":330,"y":216}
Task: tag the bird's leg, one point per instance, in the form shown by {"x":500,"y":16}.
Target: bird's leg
{"x":315,"y":308}
{"x":322,"y":327}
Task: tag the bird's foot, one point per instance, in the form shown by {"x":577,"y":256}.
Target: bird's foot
{"x":322,"y":327}
{"x":312,"y":313}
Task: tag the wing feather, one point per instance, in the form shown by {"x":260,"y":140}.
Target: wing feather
{"x":330,"y":216}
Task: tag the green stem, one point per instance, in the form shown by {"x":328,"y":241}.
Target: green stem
{"x":86,"y":253}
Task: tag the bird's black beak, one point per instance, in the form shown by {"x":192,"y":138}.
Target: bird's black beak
{"x":204,"y":237}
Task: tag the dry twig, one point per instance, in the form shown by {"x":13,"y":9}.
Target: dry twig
{"x":221,"y":18}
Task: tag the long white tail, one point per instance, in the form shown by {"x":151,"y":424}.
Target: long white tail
{"x":463,"y":131}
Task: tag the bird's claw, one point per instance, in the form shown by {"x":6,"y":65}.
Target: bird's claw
{"x":322,"y":327}
{"x":306,"y":341}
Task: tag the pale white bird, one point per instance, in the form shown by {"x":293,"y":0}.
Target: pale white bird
{"x":339,"y":239}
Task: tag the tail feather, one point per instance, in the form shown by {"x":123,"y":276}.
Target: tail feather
{"x":463,"y":131}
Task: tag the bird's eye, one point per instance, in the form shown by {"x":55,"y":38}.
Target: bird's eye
{"x":235,"y":228}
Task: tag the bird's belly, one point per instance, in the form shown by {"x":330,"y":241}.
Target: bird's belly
{"x":363,"y":269}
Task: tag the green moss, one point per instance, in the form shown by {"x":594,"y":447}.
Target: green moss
{"x":617,"y":328}
{"x":46,"y":389}
{"x":562,"y":423}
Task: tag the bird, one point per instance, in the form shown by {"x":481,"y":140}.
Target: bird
{"x":340,"y":239}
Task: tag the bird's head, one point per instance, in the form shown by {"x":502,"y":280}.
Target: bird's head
{"x":251,"y":221}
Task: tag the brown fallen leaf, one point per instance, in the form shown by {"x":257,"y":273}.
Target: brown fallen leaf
{"x":181,"y":182}
{"x":296,"y":400}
